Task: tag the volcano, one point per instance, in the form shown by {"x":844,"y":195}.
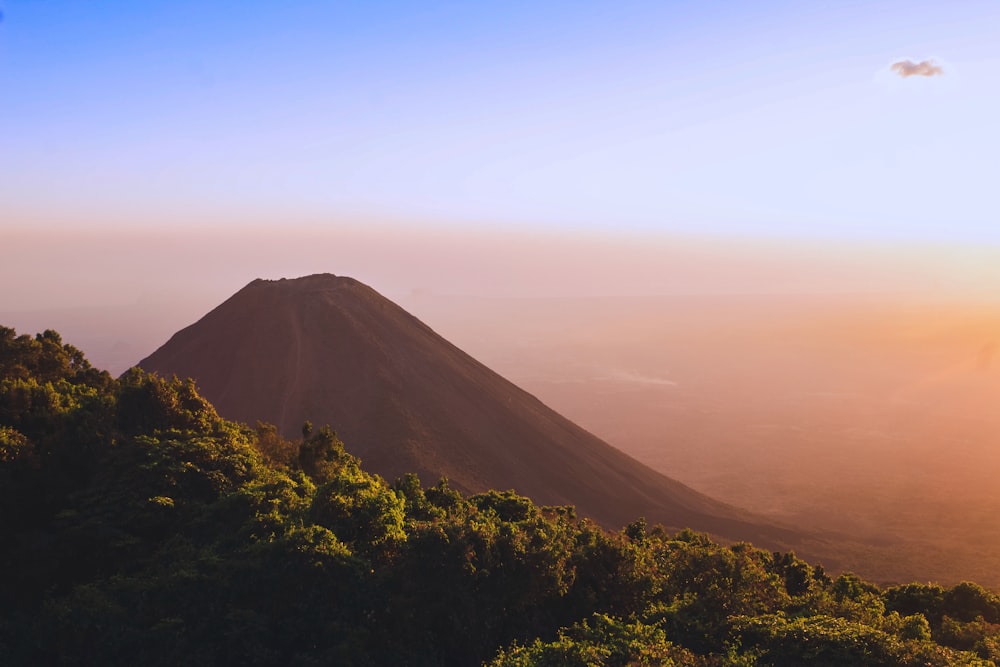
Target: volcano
{"x":331,"y":350}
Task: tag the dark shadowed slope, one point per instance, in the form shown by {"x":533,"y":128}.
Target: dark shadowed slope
{"x":333,"y":351}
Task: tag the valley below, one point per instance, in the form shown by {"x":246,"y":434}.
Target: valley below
{"x":873,"y":419}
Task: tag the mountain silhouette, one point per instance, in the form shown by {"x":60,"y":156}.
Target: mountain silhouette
{"x":331,"y":350}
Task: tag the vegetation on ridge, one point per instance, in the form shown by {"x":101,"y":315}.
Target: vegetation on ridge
{"x":141,"y":528}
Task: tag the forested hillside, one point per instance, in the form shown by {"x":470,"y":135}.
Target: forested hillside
{"x":141,"y":528}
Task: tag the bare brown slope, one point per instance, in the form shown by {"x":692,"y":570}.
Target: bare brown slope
{"x":331,"y":350}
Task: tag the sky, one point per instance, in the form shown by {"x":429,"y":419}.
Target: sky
{"x":867,"y":124}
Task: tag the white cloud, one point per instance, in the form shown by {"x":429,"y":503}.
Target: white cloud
{"x":907,"y":68}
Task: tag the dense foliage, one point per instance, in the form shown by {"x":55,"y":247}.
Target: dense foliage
{"x":141,"y":528}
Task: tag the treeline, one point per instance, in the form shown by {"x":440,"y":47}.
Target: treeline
{"x":138,"y":527}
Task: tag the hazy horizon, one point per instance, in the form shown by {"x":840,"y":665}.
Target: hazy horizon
{"x":118,"y":266}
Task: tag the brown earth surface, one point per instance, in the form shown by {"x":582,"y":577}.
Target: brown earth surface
{"x":331,"y":350}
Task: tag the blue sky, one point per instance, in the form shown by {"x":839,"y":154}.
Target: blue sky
{"x":771,"y":119}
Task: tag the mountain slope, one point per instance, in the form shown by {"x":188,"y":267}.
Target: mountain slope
{"x":331,"y":350}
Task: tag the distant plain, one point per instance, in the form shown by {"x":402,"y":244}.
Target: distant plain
{"x":874,"y":417}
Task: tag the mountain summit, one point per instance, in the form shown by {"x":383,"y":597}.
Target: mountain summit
{"x":331,"y":350}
